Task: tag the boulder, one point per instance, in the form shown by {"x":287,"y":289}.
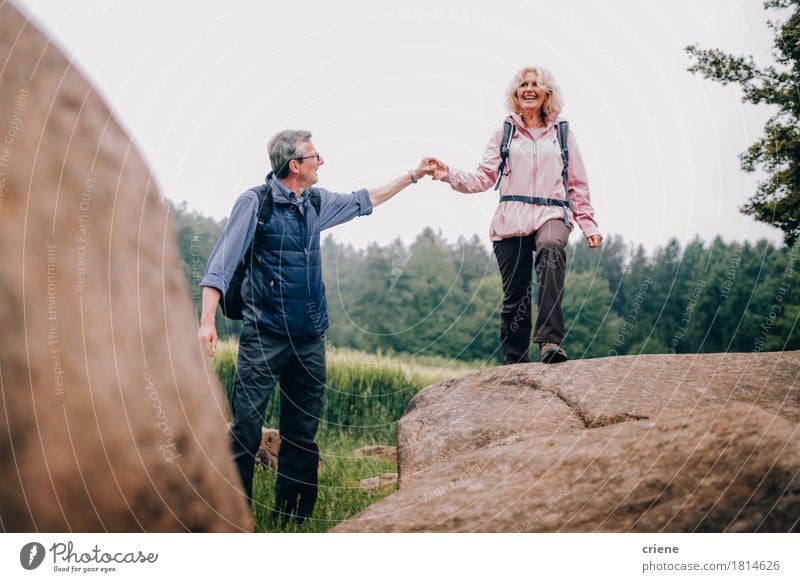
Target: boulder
{"x":662,"y":443}
{"x":111,"y":419}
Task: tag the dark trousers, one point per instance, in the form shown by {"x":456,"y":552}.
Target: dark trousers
{"x":515,"y":257}
{"x":299,"y":366}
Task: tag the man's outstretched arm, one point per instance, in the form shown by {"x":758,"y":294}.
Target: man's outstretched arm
{"x":383,"y":193}
{"x":340,"y":208}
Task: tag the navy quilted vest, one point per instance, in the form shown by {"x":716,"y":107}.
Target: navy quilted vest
{"x":283,"y":291}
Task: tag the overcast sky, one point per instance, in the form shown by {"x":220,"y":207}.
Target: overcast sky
{"x":202,"y":86}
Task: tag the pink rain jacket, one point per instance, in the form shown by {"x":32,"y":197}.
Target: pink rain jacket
{"x":534,"y":163}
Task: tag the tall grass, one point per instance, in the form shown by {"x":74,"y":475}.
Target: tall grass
{"x":340,"y":495}
{"x":365,"y":396}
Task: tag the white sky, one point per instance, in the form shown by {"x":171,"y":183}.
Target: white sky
{"x":202,"y":86}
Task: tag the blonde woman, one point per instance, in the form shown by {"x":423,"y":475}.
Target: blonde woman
{"x":535,"y":215}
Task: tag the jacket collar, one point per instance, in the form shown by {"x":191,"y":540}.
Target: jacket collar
{"x":549,"y":122}
{"x":281,"y":194}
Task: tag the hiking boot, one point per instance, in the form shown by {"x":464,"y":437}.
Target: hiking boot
{"x":552,"y":353}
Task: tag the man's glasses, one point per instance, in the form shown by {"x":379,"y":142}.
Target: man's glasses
{"x":311,"y":156}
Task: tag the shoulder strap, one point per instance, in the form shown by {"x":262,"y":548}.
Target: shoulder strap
{"x":232,"y":303}
{"x":563,"y":138}
{"x":316,"y":200}
{"x":264,"y":192}
{"x":562,"y":130}
{"x":508,"y":134}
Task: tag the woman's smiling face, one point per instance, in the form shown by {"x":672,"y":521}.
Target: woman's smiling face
{"x":530,"y":95}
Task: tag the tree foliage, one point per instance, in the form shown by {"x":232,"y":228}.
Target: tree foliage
{"x":440,"y":298}
{"x":777,"y":152}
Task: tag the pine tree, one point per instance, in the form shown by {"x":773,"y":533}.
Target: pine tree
{"x":777,"y":199}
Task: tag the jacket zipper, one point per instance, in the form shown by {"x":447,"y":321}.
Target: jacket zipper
{"x":533,"y":178}
{"x":306,"y":243}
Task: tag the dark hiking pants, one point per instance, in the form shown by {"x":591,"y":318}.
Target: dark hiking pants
{"x":299,"y":366}
{"x":515,"y":257}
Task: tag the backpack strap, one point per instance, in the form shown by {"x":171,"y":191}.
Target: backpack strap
{"x":535,"y":200}
{"x":316,"y":200}
{"x":264,"y":193}
{"x":505,"y":145}
{"x":562,"y":130}
{"x":563,"y":135}
{"x":232,"y":303}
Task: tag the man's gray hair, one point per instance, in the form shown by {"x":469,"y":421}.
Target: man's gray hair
{"x":283,"y":147}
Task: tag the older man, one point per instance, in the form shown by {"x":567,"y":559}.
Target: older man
{"x":285,"y":313}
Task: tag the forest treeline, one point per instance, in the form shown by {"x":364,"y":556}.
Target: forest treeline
{"x":444,"y":298}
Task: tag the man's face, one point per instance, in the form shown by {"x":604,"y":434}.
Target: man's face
{"x":308,"y":162}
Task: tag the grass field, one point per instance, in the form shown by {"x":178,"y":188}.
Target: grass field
{"x":340,"y":495}
{"x":365,"y":396}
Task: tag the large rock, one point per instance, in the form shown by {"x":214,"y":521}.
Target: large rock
{"x":647,"y":443}
{"x":110,"y":417}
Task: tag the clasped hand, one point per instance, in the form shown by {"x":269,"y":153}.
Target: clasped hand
{"x":437,"y":169}
{"x":431,"y":167}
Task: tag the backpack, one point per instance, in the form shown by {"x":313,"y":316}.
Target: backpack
{"x":232,"y":303}
{"x":562,"y":131}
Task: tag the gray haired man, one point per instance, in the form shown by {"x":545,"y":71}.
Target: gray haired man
{"x":285,"y":312}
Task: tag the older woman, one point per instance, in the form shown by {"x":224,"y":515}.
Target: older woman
{"x":535,"y":214}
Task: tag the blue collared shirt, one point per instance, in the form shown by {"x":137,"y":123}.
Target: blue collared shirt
{"x":335,"y":209}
